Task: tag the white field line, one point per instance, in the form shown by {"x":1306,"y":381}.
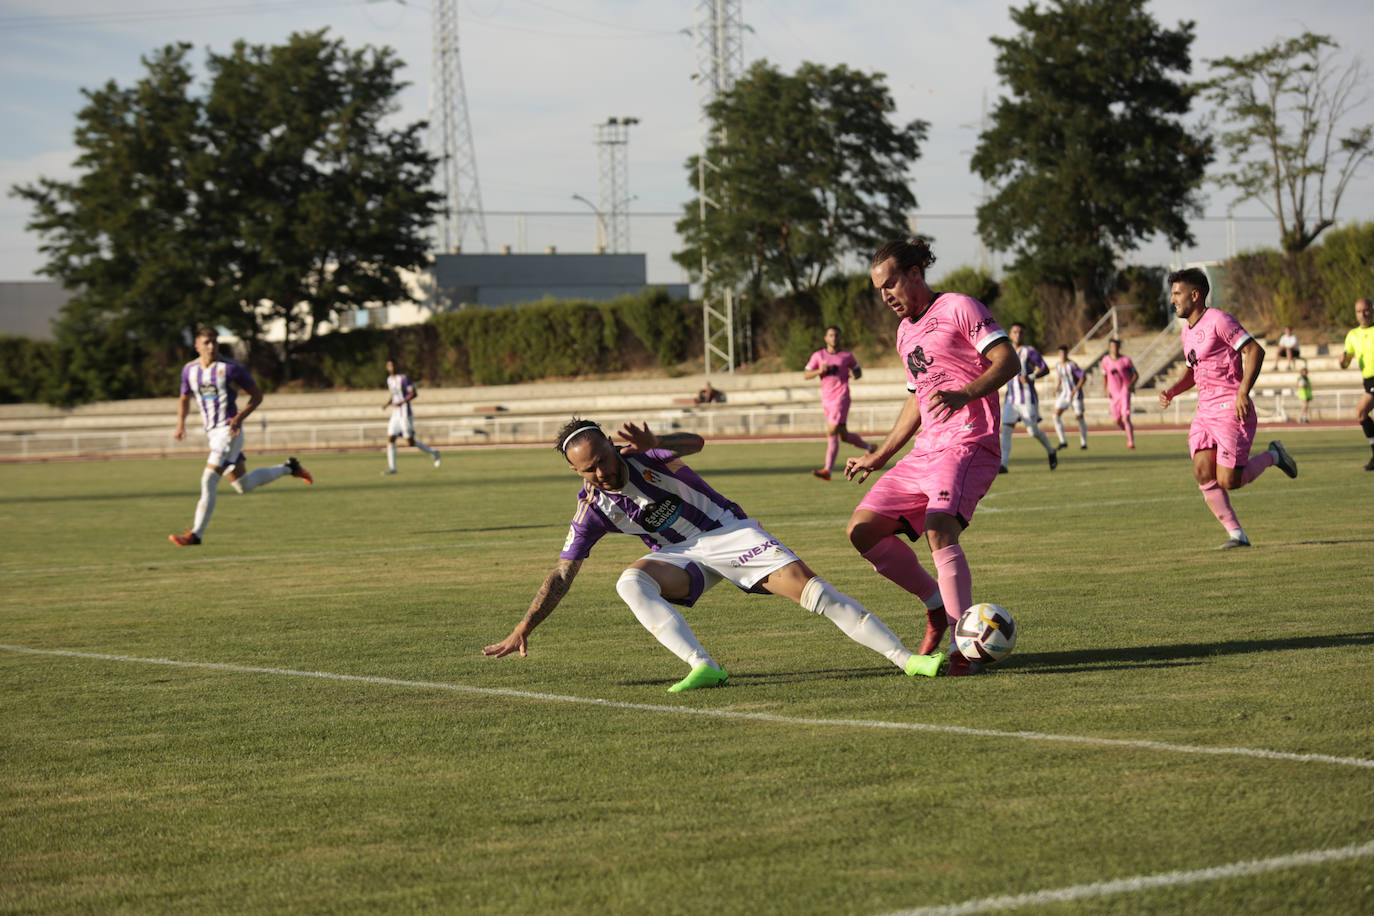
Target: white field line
{"x":1086,"y":740}
{"x":359,"y":551}
{"x":1144,"y":882}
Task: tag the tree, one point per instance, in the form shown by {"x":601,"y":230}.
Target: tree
{"x":1286,"y":105}
{"x":1087,"y":152}
{"x":808,"y":169}
{"x":279,"y":194}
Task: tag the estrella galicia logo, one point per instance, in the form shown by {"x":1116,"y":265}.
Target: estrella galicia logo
{"x":661,"y":514}
{"x":1192,"y":358}
{"x":917,"y":362}
{"x":208,"y":392}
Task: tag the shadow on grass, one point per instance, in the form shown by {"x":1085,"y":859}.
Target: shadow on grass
{"x":758,"y":678}
{"x":1153,"y":656}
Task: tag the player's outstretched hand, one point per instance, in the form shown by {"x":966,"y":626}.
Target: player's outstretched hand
{"x":637,"y":438}
{"x":515,"y":642}
{"x":861,"y":466}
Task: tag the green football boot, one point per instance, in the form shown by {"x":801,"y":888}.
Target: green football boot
{"x":701,"y":676}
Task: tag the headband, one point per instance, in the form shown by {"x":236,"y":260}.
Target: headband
{"x":581,"y":429}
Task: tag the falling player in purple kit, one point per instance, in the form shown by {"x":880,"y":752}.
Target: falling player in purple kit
{"x":834,"y":367}
{"x":1022,"y":403}
{"x":402,"y":424}
{"x":696,"y":538}
{"x":1118,"y":382}
{"x":1070,"y":394}
{"x":1223,"y":361}
{"x":213,"y":382}
{"x":956,"y":358}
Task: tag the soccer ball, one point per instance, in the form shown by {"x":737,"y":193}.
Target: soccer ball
{"x":985,"y":633}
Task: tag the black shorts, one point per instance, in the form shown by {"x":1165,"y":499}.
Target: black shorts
{"x":1369,"y":385}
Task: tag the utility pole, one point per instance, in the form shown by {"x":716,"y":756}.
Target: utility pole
{"x":613,"y":145}
{"x":718,"y":33}
{"x":451,"y":138}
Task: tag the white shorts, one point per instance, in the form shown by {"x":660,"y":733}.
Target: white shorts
{"x":1076,"y":402}
{"x":224,"y":448}
{"x":402,"y":424}
{"x":743,"y":552}
{"x":1028,"y":414}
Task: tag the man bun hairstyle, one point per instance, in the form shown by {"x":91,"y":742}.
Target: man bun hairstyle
{"x":911,"y":253}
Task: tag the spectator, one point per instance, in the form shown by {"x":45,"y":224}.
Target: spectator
{"x":709,"y":395}
{"x":1288,"y":346}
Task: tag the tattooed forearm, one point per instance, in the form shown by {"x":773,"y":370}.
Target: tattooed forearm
{"x":551,"y":592}
{"x":681,"y":443}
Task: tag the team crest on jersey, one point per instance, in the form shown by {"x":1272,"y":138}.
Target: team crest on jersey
{"x":650,"y":477}
{"x":1192,"y":357}
{"x":917,"y":362}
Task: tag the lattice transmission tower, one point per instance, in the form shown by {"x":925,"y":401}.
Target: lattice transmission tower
{"x":613,"y":145}
{"x":451,"y":138}
{"x":718,"y":32}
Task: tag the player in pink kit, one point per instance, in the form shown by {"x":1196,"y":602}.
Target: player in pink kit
{"x":1118,"y":381}
{"x":834,"y":367}
{"x":1223,"y":361}
{"x":957,"y":357}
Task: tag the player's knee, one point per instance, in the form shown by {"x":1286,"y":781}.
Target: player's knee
{"x":863,"y":535}
{"x":635,"y":583}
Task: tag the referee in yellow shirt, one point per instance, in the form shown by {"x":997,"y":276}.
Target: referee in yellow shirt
{"x":1359,"y":345}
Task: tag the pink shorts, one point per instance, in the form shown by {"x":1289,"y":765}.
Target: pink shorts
{"x":1223,"y":432}
{"x":836,"y":412}
{"x":951,"y":481}
{"x":1121,"y":407}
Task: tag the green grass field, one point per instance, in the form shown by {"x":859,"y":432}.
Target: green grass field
{"x":296,"y":716}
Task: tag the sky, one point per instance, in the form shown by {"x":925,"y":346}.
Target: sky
{"x":540,"y":74}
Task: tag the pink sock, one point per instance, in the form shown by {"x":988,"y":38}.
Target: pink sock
{"x":1130,"y":433}
{"x":1256,"y":466}
{"x":956,"y":582}
{"x":896,"y":561}
{"x":1220,"y":504}
{"x":832,"y":446}
{"x":856,"y":440}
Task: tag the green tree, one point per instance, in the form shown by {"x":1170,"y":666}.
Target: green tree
{"x":1087,"y":151}
{"x":279,"y":194}
{"x":805,"y":169}
{"x":1286,"y":107}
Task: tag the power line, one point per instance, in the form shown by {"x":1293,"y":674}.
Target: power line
{"x":109,"y":17}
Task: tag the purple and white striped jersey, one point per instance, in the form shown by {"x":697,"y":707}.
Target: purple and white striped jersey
{"x":659,"y":505}
{"x":214,"y":387}
{"x":1021,"y":389}
{"x":400,"y":385}
{"x":1069,"y":375}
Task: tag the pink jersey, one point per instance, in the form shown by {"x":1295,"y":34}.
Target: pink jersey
{"x":1212,"y":348}
{"x":834,"y":385}
{"x":943,"y":350}
{"x":1118,"y":373}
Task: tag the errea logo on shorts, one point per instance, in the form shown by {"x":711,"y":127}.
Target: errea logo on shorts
{"x":755,"y":552}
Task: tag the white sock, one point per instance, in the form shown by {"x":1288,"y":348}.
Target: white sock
{"x":1006,"y":442}
{"x":1059,"y":427}
{"x":820,"y":597}
{"x":1082,"y":432}
{"x":261,"y":476}
{"x":391,"y":456}
{"x":1237,"y":533}
{"x":1040,"y":437}
{"x":643,"y":594}
{"x":426,"y":449}
{"x":209,"y":486}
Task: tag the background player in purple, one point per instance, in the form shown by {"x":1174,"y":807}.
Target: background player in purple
{"x":1118,"y":383}
{"x":834,"y":367}
{"x":1022,"y":403}
{"x":1223,"y":361}
{"x":956,"y":359}
{"x":696,"y":538}
{"x":213,"y":383}
{"x":1069,"y":394}
{"x":401,"y":391}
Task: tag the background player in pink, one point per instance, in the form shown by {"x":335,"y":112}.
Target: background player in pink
{"x":401,"y":391}
{"x":1069,"y":395}
{"x":1223,"y":361}
{"x":1118,"y":382}
{"x":214,"y":384}
{"x":696,"y":538}
{"x":956,"y":357}
{"x":834,"y":367}
{"x":1022,"y":404}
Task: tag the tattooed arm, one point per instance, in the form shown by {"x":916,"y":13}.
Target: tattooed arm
{"x":555,"y":586}
{"x":641,"y":439}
